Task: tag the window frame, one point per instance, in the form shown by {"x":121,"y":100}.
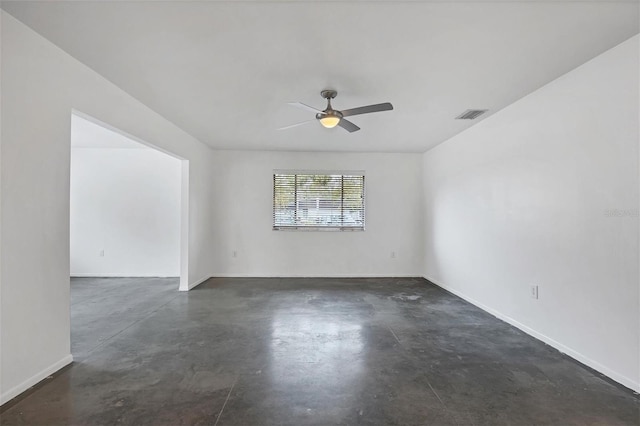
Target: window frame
{"x":321,"y":228}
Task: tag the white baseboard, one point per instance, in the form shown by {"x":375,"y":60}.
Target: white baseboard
{"x":242,"y":275}
{"x":623,"y":380}
{"x":35,"y":379}
{"x":193,"y":284}
{"x":239,"y":275}
{"x":83,"y":275}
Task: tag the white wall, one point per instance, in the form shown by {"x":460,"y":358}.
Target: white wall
{"x":243,"y":186}
{"x":125,"y":212}
{"x":40,"y":86}
{"x":524,"y":198}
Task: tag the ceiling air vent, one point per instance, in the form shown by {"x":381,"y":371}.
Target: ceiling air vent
{"x":471,"y":114}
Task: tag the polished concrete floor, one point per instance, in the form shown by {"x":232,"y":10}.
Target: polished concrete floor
{"x":307,"y":352}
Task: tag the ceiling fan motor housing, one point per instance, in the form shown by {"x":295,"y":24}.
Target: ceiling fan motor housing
{"x":329,"y":113}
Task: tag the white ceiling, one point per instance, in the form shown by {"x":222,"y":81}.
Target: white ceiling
{"x":224,"y":71}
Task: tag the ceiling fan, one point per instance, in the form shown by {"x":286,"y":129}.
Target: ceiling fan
{"x":331,"y":118}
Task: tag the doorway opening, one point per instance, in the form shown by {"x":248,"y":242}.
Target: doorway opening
{"x":128,"y":231}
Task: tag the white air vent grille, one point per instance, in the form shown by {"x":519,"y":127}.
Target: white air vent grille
{"x":471,"y":114}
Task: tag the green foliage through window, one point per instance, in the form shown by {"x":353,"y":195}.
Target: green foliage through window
{"x":318,"y":201}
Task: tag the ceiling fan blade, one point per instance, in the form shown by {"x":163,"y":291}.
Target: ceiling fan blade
{"x":304,"y":106}
{"x":348,"y":126}
{"x":367,"y":109}
{"x":295,"y":125}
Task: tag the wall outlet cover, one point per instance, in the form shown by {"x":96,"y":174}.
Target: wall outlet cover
{"x":534,"y":291}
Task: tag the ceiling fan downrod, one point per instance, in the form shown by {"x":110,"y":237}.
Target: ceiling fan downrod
{"x":328,"y":113}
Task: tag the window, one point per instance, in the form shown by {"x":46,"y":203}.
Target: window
{"x":309,"y":200}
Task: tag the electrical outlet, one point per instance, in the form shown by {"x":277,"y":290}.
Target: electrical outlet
{"x":534,"y":292}
{"x":102,"y":253}
{"x":393,"y":254}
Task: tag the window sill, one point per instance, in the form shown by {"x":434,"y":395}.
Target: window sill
{"x":318,"y":228}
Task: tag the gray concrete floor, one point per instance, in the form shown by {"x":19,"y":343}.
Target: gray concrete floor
{"x":307,"y":352}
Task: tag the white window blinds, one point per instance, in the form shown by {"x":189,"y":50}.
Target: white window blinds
{"x":318,"y":201}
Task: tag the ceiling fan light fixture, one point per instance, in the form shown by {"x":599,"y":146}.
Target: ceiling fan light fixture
{"x":329,"y":121}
